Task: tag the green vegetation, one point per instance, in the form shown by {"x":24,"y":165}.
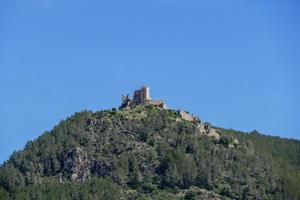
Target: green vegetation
{"x":147,"y":153}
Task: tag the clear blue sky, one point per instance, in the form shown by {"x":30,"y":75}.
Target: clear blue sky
{"x":234,"y":63}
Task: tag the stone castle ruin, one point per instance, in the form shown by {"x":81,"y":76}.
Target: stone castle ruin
{"x":141,"y":97}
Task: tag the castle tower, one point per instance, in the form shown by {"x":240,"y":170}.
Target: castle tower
{"x":145,"y":94}
{"x":142,"y":95}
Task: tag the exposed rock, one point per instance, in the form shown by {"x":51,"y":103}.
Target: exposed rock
{"x":101,"y":167}
{"x":207,"y":128}
{"x":78,"y":164}
{"x":92,"y":122}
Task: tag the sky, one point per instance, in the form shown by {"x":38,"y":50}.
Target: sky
{"x":235,"y":64}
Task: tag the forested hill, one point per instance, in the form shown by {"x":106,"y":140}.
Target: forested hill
{"x":150,"y":153}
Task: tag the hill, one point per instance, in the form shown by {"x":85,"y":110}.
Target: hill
{"x":147,"y":152}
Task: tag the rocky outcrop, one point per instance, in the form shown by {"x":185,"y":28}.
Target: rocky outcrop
{"x":102,"y":168}
{"x":78,"y":165}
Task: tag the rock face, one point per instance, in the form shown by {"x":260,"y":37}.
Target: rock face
{"x":78,"y":165}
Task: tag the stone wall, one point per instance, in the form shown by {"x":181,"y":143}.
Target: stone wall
{"x":141,"y":96}
{"x":186,"y":116}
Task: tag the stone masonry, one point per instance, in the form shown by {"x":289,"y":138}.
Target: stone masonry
{"x":141,"y":97}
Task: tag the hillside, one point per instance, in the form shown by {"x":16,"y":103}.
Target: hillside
{"x":150,"y":153}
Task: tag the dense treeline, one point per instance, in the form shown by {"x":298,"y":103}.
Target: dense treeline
{"x":150,"y":153}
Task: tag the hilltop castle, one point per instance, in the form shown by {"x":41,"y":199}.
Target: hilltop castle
{"x":141,"y":97}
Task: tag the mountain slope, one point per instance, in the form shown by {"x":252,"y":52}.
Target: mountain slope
{"x":150,"y":153}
